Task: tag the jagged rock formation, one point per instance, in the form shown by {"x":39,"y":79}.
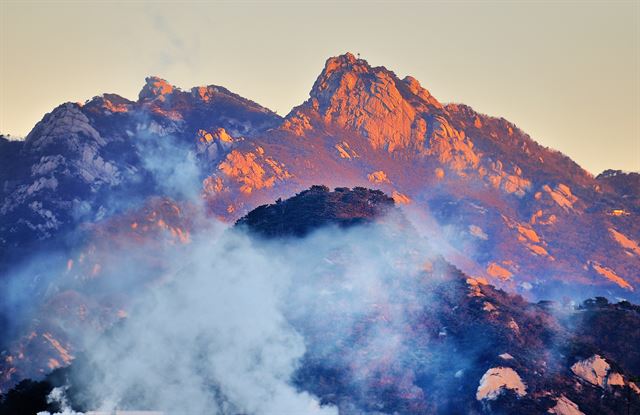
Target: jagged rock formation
{"x":82,"y":157}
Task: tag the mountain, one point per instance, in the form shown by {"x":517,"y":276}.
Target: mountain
{"x":524,"y":216}
{"x":465,"y":346}
{"x":531,"y":219}
{"x":81,"y":158}
{"x":94,"y":180}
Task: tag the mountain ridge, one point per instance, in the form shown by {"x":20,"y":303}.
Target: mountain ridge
{"x":91,"y":179}
{"x":361,"y":125}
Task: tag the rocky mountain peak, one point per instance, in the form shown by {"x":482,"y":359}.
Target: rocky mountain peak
{"x":339,"y":76}
{"x":373,"y":101}
{"x":346,"y":73}
{"x":346,"y":62}
{"x":155,"y":87}
{"x":63,"y":124}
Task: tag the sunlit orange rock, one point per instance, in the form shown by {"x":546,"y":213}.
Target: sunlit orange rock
{"x":401,"y":198}
{"x":345,"y":151}
{"x":205,"y":93}
{"x":372,"y":105}
{"x":625,"y":242}
{"x":529,"y":233}
{"x":378,"y":177}
{"x":537,"y":218}
{"x":561,"y":195}
{"x":609,"y":274}
{"x":452,"y":147}
{"x":248,"y":169}
{"x":297,"y":123}
{"x":155,"y":88}
{"x":498,"y":271}
{"x":509,"y":183}
{"x":63,"y":352}
{"x":538,"y":250}
{"x":619,"y":212}
{"x":212,"y":185}
{"x":113,"y":105}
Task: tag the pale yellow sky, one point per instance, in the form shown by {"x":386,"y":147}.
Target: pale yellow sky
{"x":568,"y":73}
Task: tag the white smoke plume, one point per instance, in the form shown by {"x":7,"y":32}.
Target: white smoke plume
{"x":58,"y":396}
{"x":224,"y":329}
{"x":215,"y":330}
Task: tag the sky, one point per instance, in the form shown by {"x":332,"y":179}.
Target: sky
{"x":566,"y":72}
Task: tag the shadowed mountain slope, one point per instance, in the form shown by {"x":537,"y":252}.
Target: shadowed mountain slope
{"x":439,"y":342}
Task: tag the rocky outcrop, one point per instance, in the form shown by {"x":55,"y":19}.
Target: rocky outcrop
{"x":253,"y":170}
{"x":372,"y":101}
{"x":564,"y":406}
{"x":593,"y":370}
{"x":611,"y":275}
{"x":497,"y":380}
{"x":378,"y":177}
{"x":155,"y":88}
{"x":630,"y":245}
{"x":65,"y":126}
{"x":214,"y":144}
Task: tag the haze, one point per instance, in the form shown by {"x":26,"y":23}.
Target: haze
{"x":566,"y":73}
